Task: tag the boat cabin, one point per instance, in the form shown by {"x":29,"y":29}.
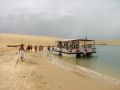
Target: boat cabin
{"x":78,"y":47}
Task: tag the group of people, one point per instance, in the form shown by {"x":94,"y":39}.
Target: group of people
{"x":28,"y":49}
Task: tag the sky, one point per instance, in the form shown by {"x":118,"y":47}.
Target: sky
{"x":96,"y":19}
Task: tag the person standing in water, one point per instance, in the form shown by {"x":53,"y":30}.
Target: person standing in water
{"x":22,"y":52}
{"x":49,"y":48}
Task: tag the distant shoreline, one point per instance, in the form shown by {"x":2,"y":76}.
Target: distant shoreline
{"x":21,"y":37}
{"x":101,"y":44}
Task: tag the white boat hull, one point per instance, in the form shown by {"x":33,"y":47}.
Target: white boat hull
{"x":64,"y":54}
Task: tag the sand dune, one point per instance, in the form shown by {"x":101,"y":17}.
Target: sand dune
{"x":43,"y":40}
{"x":108,"y":42}
{"x":18,"y":39}
{"x":37,"y":72}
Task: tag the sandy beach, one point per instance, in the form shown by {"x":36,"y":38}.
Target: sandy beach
{"x":37,"y":72}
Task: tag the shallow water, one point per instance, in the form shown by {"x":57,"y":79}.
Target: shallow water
{"x":106,"y":61}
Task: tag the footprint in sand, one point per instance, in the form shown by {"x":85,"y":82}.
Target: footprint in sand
{"x":58,"y":87}
{"x":23,"y":76}
{"x":43,"y":83}
{"x":1,"y":54}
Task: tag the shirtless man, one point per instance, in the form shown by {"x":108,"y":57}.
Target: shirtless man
{"x":35,"y":47}
{"x":28,"y":49}
{"x":22,"y":52}
{"x":31,"y":47}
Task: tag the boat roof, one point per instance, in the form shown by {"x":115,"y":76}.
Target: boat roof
{"x":66,"y":40}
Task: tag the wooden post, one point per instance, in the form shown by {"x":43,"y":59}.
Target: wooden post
{"x":67,"y":46}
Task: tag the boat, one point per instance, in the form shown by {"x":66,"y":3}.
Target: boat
{"x":75,"y":48}
{"x":13,"y":45}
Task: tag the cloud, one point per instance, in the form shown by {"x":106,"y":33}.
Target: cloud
{"x":65,"y":18}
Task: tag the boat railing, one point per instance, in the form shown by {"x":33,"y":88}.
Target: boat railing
{"x":81,"y":50}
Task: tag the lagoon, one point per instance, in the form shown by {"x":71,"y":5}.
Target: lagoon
{"x":106,"y":61}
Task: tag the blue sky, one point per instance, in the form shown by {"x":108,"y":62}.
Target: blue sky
{"x":97,"y":19}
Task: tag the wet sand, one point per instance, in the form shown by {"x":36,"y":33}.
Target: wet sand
{"x":37,"y":72}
